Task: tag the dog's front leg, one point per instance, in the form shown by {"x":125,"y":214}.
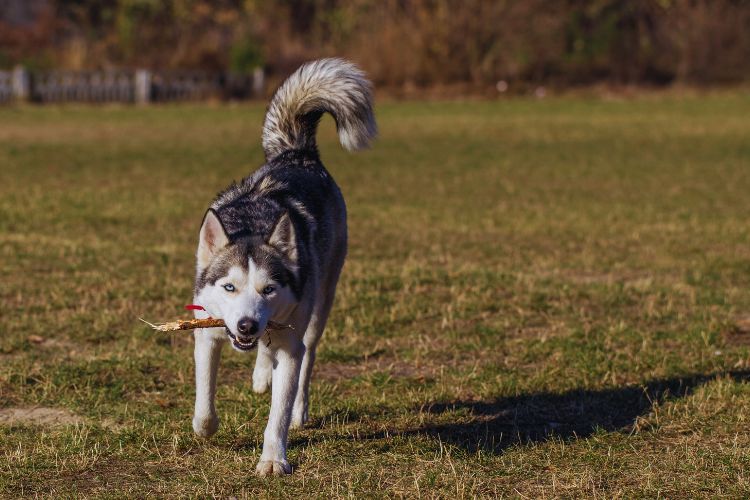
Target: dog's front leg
{"x":283,"y":390}
{"x":208,"y":344}
{"x":263,"y":368}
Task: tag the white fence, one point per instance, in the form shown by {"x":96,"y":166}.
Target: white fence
{"x":128,"y":86}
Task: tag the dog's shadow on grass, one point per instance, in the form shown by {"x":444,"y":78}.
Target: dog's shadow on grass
{"x":494,"y":425}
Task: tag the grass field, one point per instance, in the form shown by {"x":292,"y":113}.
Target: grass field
{"x":542,"y":298}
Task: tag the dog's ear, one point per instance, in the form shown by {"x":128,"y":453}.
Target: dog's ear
{"x":284,"y":238}
{"x":212,"y":238}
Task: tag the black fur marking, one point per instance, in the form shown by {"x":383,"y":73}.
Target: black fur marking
{"x":266,"y":257}
{"x":296,"y":182}
{"x":226,"y":258}
{"x":278,"y":267}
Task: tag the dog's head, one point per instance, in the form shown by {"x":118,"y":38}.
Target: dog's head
{"x":248,"y":280}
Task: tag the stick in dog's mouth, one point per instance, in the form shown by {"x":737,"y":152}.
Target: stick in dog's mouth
{"x":192,"y":324}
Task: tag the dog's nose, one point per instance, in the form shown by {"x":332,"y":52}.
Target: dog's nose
{"x":246,"y":326}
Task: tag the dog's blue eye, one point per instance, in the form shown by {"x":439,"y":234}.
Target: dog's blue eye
{"x":269,"y":289}
{"x":229,"y":287}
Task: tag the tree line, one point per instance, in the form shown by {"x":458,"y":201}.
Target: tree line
{"x":401,"y":43}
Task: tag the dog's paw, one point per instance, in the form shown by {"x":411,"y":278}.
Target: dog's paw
{"x":205,"y":426}
{"x":273,"y":468}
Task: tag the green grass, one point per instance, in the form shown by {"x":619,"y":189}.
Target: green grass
{"x":542,"y":298}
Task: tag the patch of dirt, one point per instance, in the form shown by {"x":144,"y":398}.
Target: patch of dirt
{"x":739,"y":332}
{"x":541,"y":332}
{"x":633,"y":280}
{"x":56,"y":345}
{"x":395,"y":368}
{"x":39,"y":415}
{"x":637,"y":280}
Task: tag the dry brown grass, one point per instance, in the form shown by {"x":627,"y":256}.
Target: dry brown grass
{"x":541,"y":299}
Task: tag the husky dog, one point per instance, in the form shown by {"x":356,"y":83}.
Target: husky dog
{"x":271,"y":248}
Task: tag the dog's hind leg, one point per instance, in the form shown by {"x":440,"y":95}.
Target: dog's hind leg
{"x":301,"y":410}
{"x":208,"y":344}
{"x":263,"y":371}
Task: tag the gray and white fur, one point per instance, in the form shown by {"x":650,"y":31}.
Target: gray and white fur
{"x":271,"y":248}
{"x":327,"y":85}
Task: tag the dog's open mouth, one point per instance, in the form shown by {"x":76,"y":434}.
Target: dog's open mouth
{"x":242,"y":346}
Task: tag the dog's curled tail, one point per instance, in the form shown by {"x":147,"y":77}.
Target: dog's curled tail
{"x":326,"y":85}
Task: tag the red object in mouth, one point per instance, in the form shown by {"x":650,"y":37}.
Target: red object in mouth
{"x":196,"y":307}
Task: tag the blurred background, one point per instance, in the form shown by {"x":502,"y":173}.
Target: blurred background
{"x":408,"y":47}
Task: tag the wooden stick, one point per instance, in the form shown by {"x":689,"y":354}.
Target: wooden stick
{"x":191,"y":324}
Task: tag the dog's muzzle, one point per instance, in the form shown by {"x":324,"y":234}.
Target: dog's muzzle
{"x":242,"y":345}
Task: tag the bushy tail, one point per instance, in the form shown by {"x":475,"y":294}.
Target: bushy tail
{"x":326,"y":85}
